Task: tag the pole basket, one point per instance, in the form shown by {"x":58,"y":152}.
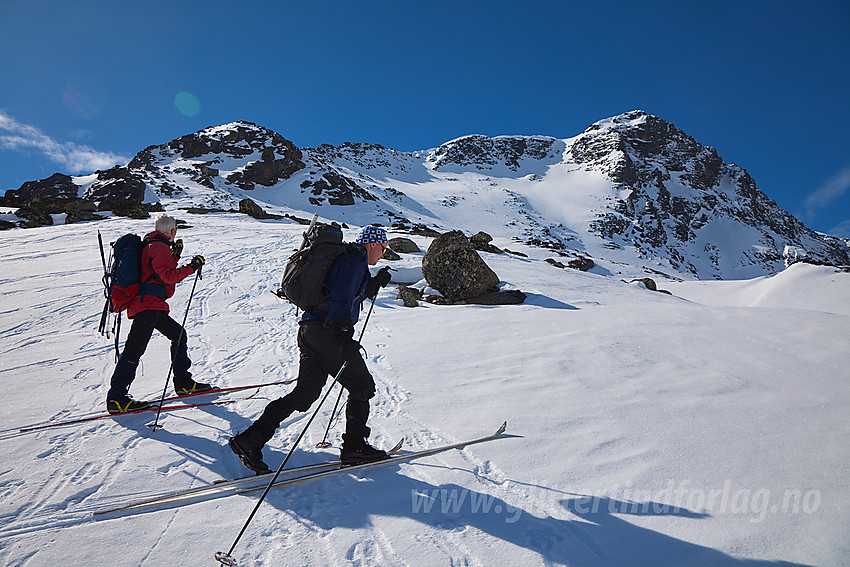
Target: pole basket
{"x":225,"y":559}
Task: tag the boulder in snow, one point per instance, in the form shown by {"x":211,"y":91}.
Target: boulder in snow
{"x":454,"y":268}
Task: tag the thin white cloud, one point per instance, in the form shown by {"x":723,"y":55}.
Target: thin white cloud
{"x":75,"y":158}
{"x":842,"y":229}
{"x":831,"y":190}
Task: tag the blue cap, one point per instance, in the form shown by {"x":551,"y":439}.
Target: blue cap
{"x":372,"y":234}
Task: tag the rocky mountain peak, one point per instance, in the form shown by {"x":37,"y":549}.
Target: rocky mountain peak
{"x":234,"y":140}
{"x":676,"y":188}
{"x":267,"y":157}
{"x":636,"y":142}
{"x":482,"y":152}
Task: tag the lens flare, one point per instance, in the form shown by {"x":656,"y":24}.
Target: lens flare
{"x":79,"y":101}
{"x":187,"y":104}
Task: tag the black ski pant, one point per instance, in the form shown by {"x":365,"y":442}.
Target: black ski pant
{"x":138,"y":338}
{"x":322,"y":355}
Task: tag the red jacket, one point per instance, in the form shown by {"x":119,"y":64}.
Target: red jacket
{"x":158,"y":265}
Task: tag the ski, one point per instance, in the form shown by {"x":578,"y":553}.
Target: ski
{"x":259,"y":481}
{"x":94,"y":417}
{"x":226,"y":390}
{"x":401,"y":458}
{"x":224,"y":483}
{"x":256,"y":483}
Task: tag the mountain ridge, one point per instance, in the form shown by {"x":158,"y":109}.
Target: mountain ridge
{"x":630,"y":187}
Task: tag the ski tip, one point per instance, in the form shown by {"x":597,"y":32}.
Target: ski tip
{"x":397,"y":447}
{"x":502,"y":429}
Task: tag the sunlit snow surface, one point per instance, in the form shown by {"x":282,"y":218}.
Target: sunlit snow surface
{"x":708,"y":427}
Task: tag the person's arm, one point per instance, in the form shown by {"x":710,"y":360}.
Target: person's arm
{"x":164,"y":265}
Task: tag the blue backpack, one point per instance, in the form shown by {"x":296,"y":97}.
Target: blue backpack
{"x":121,"y":281}
{"x":123,"y":277}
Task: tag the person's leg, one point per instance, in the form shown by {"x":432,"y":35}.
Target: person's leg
{"x":312,"y":375}
{"x":311,"y":379}
{"x":360,"y":385}
{"x":182,"y":378}
{"x":361,"y":388}
{"x":134,"y":347}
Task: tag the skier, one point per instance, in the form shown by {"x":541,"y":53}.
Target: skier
{"x":149,"y":311}
{"x":325,"y":341}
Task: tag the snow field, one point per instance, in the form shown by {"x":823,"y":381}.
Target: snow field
{"x":653,"y":429}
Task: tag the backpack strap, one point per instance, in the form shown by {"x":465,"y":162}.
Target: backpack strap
{"x":153,"y":285}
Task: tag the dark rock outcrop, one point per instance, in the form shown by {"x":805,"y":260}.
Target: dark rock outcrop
{"x":54,"y":188}
{"x":482,"y":152}
{"x":252,"y":209}
{"x":410,"y":296}
{"x":581,"y":263}
{"x":337,"y":189}
{"x":481,"y":242}
{"x":115,"y":190}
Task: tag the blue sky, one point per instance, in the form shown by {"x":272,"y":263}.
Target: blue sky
{"x":87,"y":84}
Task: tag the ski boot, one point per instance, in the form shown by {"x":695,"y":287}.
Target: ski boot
{"x":249,"y":449}
{"x":358,"y":451}
{"x":126,"y":404}
{"x":189,"y":386}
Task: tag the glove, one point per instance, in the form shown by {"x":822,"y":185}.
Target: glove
{"x":381,"y":279}
{"x":177,"y":248}
{"x":343,"y":330}
{"x":197,"y":262}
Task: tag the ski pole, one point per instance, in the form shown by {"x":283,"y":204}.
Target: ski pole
{"x":323,"y":444}
{"x":102,"y":256}
{"x":226,"y":558}
{"x":155,"y":425}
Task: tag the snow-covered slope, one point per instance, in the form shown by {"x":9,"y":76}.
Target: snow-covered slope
{"x":632,"y":192}
{"x":704,"y":428}
{"x":801,"y":286}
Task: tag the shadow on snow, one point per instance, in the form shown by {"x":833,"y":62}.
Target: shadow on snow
{"x":600,"y":537}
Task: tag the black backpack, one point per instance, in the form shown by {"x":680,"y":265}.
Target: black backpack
{"x":305,"y":272}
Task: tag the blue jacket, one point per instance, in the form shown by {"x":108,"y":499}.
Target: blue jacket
{"x":346,"y":287}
